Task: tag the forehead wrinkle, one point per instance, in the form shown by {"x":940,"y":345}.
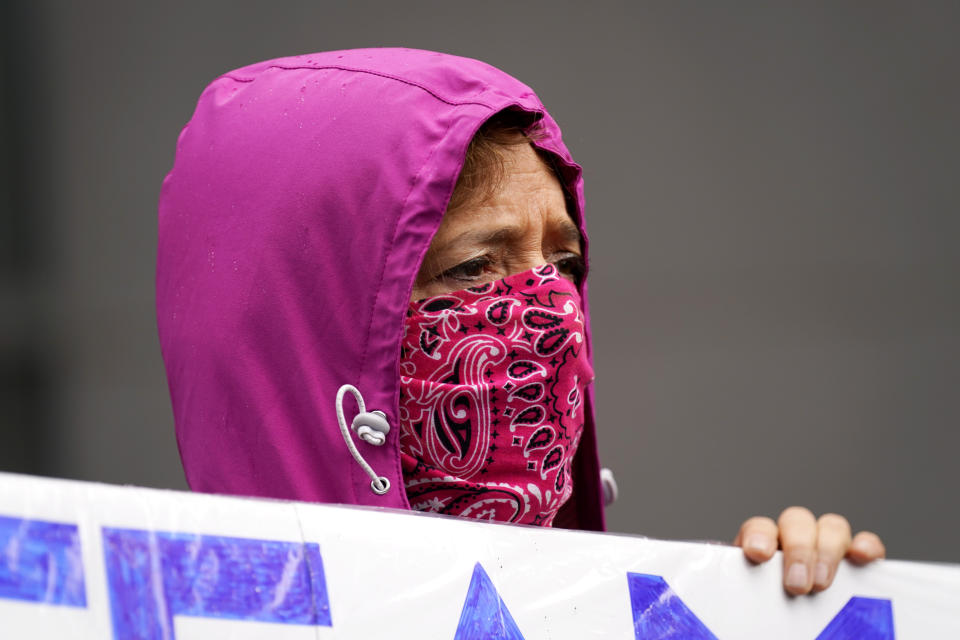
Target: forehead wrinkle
{"x":501,"y":235}
{"x":528,"y":197}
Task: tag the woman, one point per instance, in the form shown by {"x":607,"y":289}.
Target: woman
{"x":312,"y":200}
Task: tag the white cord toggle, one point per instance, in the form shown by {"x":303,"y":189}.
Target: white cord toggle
{"x":371,"y":427}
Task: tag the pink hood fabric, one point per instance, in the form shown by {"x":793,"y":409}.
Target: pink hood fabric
{"x":304,"y":194}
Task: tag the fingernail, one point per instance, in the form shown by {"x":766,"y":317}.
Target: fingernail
{"x":758,"y":543}
{"x":797,"y":576}
{"x":867,"y":547}
{"x":821,"y":574}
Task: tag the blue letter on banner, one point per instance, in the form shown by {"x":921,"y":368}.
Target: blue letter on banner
{"x":154,"y":576}
{"x":861,"y":619}
{"x":41,"y":562}
{"x":484,"y":615}
{"x":659,"y":613}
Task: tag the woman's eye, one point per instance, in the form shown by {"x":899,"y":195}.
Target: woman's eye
{"x":571,"y":266}
{"x":467,"y":271}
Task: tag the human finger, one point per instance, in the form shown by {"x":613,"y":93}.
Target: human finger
{"x":758,"y":538}
{"x":833,"y":541}
{"x":866,"y":547}
{"x":798,"y":539}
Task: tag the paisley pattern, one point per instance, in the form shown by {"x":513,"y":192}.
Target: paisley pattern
{"x":492,"y":383}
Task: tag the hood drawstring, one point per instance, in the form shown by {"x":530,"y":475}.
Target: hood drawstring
{"x":609,"y":485}
{"x":372,"y":427}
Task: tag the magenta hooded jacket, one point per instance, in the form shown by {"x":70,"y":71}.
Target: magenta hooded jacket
{"x":304,"y":194}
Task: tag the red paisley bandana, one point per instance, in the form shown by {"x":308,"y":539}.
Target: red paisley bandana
{"x":492,"y":384}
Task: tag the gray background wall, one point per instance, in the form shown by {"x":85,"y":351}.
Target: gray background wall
{"x":773,"y":202}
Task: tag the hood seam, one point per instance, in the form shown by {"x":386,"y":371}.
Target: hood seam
{"x":369,"y":72}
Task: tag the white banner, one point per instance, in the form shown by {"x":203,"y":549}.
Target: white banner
{"x":80,"y":560}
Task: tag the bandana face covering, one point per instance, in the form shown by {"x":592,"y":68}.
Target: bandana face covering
{"x":492,"y":383}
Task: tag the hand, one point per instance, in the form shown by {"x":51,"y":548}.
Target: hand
{"x":812,"y":548}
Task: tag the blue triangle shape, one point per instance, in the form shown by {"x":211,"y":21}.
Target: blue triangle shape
{"x":861,"y":619}
{"x":484,"y":615}
{"x":659,"y":613}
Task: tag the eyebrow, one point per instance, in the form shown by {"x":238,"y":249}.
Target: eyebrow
{"x":567,"y":232}
{"x":499,"y":236}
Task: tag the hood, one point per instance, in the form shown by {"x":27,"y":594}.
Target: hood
{"x":303,"y":197}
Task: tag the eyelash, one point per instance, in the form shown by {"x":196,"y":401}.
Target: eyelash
{"x":458,"y":272}
{"x":570,"y":265}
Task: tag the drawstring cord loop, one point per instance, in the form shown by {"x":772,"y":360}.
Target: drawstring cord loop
{"x":372,"y":427}
{"x":609,"y":485}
